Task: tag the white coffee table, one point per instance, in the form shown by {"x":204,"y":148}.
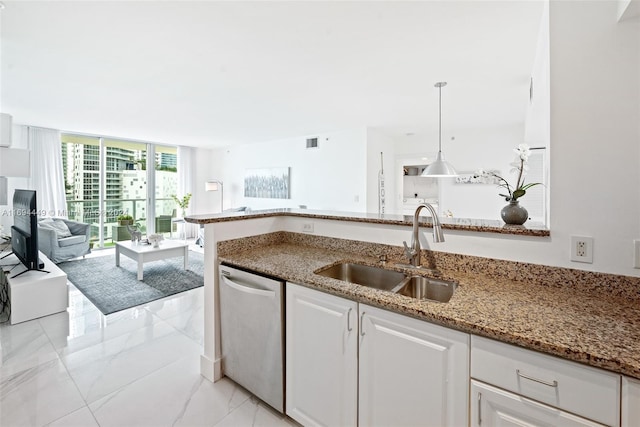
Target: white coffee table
{"x":146,"y":253}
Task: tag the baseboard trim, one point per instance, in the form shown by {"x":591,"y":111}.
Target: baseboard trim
{"x":210,"y":369}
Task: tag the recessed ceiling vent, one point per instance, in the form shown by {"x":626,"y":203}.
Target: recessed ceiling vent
{"x":312,"y":142}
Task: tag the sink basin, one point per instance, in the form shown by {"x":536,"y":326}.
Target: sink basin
{"x":365,"y":275}
{"x":426,"y":288}
{"x":418,"y":287}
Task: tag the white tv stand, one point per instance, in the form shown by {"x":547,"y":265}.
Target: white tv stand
{"x":35,"y":293}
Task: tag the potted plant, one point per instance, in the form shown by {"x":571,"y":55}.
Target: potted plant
{"x":182,"y":203}
{"x":125,"y":220}
{"x":513,"y":213}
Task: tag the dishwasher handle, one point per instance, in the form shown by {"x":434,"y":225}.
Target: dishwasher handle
{"x":247,"y":289}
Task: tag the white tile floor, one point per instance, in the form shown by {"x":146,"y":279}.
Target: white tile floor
{"x":137,"y":367}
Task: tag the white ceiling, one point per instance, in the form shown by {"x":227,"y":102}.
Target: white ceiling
{"x":220,"y":73}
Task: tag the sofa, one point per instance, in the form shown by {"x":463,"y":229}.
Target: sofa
{"x":63,"y":239}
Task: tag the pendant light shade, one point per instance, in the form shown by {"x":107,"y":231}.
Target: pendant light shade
{"x":440,"y":168}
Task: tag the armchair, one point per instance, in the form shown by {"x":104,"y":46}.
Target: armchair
{"x":59,"y":247}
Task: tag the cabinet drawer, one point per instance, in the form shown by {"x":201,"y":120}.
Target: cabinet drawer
{"x":582,"y":390}
{"x":492,"y":406}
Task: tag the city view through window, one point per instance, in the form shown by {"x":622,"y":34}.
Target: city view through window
{"x":106,"y":179}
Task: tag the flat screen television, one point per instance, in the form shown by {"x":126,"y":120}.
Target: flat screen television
{"x":24,"y":232}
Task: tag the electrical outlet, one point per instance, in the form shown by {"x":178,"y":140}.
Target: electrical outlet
{"x":582,"y":249}
{"x":636,"y":254}
{"x":307,"y":227}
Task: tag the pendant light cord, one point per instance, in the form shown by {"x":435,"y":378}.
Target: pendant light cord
{"x":440,"y":119}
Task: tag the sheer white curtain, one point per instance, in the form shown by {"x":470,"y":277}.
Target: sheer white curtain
{"x":46,"y":170}
{"x":186,"y":183}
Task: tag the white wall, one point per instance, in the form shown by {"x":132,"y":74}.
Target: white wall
{"x":204,"y":170}
{"x":595,"y":149}
{"x":536,"y":130}
{"x":595,"y":136}
{"x":330,"y":177}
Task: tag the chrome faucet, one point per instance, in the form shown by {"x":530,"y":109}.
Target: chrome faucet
{"x":413,"y":253}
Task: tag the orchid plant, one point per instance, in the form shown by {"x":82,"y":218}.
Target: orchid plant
{"x":519,"y":166}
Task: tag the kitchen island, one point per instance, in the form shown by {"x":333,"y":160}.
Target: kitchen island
{"x":592,"y":320}
{"x":586,"y":317}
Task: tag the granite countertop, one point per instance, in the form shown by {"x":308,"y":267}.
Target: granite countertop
{"x":464,"y":224}
{"x":581,"y":325}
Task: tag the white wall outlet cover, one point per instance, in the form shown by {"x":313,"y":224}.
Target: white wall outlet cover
{"x":636,"y":253}
{"x":582,"y":249}
{"x":307,"y":227}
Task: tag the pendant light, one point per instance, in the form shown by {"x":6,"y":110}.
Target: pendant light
{"x":440,"y":168}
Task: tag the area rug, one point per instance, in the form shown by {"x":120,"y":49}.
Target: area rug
{"x":112,"y":288}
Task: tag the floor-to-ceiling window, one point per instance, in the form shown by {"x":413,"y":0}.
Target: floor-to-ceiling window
{"x":106,"y":178}
{"x":125,"y":185}
{"x":166,"y":183}
{"x":81,"y":168}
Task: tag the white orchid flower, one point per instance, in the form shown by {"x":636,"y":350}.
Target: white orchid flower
{"x":523,"y":151}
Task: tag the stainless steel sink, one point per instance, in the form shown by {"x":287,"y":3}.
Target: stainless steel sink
{"x":392,"y":281}
{"x":365,"y":275}
{"x":426,"y":288}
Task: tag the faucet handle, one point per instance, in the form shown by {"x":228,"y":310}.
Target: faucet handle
{"x":409,"y":253}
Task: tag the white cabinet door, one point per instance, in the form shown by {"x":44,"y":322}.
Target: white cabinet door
{"x":411,"y":372}
{"x":630,"y":402}
{"x":492,"y":406}
{"x":321,"y":358}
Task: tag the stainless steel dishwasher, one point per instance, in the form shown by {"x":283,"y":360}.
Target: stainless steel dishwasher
{"x":251,"y":323}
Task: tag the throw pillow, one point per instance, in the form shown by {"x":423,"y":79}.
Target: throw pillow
{"x":56,"y":225}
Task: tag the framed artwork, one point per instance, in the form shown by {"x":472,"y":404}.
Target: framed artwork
{"x":478,"y":178}
{"x":272,"y":183}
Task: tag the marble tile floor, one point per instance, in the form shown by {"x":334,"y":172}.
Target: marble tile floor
{"x":137,"y":367}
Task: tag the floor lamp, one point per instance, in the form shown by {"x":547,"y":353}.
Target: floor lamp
{"x":214,"y":185}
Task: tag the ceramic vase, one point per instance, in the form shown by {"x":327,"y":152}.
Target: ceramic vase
{"x":514,"y":214}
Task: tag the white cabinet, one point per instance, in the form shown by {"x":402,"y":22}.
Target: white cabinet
{"x":321,"y":357}
{"x":35,"y":293}
{"x":411,"y":372}
{"x":557,"y":384}
{"x":630,"y":402}
{"x":492,"y":406}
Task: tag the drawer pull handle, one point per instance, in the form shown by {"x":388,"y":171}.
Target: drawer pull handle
{"x":349,"y":328}
{"x":553,"y":383}
{"x":362,"y":324}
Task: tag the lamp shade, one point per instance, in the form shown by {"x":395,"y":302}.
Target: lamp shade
{"x":212,"y":186}
{"x":14,"y":162}
{"x":439,"y":168}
